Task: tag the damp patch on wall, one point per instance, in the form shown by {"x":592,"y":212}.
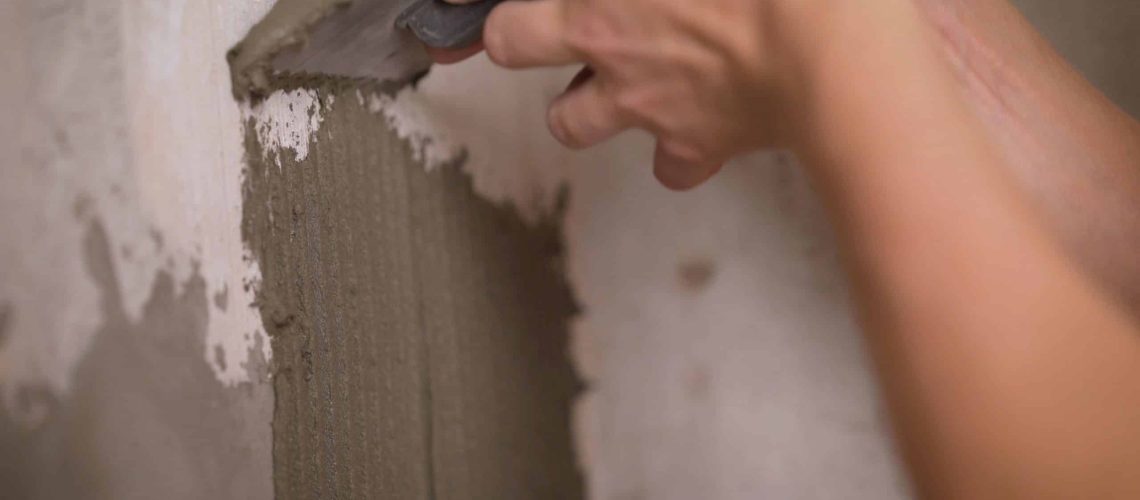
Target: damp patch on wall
{"x":126,"y":117}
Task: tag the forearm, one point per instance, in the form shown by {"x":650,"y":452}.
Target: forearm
{"x":1005,"y":368}
{"x":1075,"y":154}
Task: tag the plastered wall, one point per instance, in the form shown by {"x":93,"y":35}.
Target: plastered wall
{"x":714,"y":338}
{"x":131,"y":362}
{"x":419,"y":332}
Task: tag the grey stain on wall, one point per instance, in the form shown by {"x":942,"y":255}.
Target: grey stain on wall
{"x":222,"y":298}
{"x":5,"y":321}
{"x":220,"y":357}
{"x":418,"y":331}
{"x":146,"y":417}
{"x":696,"y":274}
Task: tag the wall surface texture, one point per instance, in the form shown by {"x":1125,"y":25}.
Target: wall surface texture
{"x":131,"y":364}
{"x":419,"y":332}
{"x":340,"y":291}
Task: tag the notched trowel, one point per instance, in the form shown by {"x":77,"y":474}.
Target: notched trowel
{"x":378,"y":40}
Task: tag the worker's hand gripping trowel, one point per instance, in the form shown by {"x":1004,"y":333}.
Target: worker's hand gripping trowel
{"x":378,"y":40}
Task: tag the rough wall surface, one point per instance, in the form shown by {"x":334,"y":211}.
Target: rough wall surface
{"x":131,"y":364}
{"x":715,"y":337}
{"x":122,"y":114}
{"x":145,"y":417}
{"x":419,"y":332}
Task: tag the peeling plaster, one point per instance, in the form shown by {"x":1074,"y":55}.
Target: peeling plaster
{"x":286,"y":120}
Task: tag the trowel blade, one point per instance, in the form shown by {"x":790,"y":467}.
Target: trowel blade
{"x":356,"y":39}
{"x":443,"y":25}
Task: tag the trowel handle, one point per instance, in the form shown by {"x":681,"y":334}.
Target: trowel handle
{"x":445,"y":26}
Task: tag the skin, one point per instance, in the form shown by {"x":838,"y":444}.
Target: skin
{"x":985,"y":196}
{"x":1071,"y":151}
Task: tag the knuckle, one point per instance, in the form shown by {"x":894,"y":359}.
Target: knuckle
{"x":498,"y":57}
{"x":564,"y":129}
{"x":494,"y":39}
{"x":685,"y":152}
{"x":637,"y":104}
{"x":575,"y":41}
{"x":587,"y":34}
{"x":575,"y":136}
{"x":629,"y":103}
{"x":578,"y":32}
{"x":493,"y":46}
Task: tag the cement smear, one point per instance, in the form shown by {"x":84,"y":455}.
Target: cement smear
{"x":146,"y":417}
{"x":355,"y":39}
{"x":418,"y":331}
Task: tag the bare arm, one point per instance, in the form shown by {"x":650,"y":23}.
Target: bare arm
{"x":1074,"y":153}
{"x":1011,"y":372}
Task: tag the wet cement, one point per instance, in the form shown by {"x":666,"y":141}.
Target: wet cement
{"x":355,"y":39}
{"x":146,"y":417}
{"x":418,"y":331}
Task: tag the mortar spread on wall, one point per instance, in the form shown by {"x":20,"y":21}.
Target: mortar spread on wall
{"x":697,"y":386}
{"x":711,"y":386}
{"x":408,"y":115}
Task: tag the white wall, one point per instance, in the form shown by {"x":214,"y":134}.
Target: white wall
{"x":123,"y":116}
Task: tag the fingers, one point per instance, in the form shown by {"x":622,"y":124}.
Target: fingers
{"x":679,"y":170}
{"x":517,"y":34}
{"x":452,"y":56}
{"x":523,"y":34}
{"x":584,"y":115}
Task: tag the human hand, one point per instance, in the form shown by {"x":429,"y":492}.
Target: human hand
{"x":711,"y":79}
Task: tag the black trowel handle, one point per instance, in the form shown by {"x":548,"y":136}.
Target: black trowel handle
{"x":445,"y":26}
